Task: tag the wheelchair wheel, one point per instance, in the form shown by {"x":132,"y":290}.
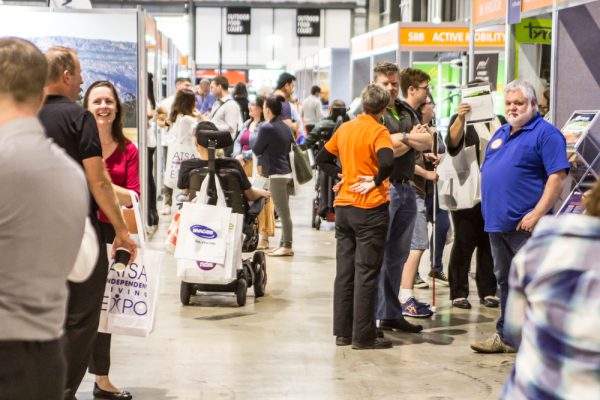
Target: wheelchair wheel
{"x":241,"y":291}
{"x":260,"y":274}
{"x":185,"y":292}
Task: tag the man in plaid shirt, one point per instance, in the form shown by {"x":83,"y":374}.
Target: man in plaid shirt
{"x":553,"y":309}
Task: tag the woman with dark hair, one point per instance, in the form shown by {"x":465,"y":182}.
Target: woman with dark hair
{"x":240,"y":95}
{"x":182,"y":133}
{"x":273,"y":146}
{"x":242,"y":147}
{"x":122,"y":163}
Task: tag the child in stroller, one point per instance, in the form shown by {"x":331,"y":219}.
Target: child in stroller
{"x":316,"y":139}
{"x":238,"y":190}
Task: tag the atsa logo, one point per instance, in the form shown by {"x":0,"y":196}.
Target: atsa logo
{"x":203,"y":231}
{"x":205,"y":266}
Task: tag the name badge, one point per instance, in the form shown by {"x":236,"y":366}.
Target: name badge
{"x":496,"y":143}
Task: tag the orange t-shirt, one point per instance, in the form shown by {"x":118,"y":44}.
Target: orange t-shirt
{"x":356,"y":143}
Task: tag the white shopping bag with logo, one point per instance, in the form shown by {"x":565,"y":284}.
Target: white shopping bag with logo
{"x":203,"y":228}
{"x":177,"y":153}
{"x":131,"y":295}
{"x":199,"y":271}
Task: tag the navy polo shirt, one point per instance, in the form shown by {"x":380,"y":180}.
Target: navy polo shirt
{"x":516,"y":169}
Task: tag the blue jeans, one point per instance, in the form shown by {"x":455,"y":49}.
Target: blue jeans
{"x":504,"y":247}
{"x":442,"y":225}
{"x":403,"y":210}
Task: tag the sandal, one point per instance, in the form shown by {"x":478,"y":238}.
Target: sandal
{"x":490,"y":302}
{"x":281,"y":252}
{"x":263,"y":245}
{"x":462,"y":303}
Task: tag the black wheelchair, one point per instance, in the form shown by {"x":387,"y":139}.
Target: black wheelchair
{"x":253,"y":271}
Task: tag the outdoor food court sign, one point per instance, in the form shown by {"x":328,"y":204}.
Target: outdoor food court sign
{"x":238,"y":20}
{"x":449,"y":37}
{"x":308,"y":22}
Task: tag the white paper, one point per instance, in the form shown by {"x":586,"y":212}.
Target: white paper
{"x":479,"y":97}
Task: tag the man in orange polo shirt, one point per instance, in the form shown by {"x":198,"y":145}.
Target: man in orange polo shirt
{"x":364,"y":148}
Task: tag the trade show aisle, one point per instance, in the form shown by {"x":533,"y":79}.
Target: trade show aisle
{"x":281,"y":346}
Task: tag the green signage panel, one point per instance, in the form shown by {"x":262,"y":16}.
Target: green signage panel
{"x":533,"y":30}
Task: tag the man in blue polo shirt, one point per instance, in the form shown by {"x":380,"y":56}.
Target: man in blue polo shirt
{"x":522,"y":177}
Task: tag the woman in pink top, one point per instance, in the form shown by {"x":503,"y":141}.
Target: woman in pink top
{"x":122,"y":163}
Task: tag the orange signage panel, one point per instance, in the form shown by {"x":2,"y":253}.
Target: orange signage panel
{"x":448,"y":37}
{"x":488,"y":10}
{"x":361,"y":44}
{"x":528,"y":5}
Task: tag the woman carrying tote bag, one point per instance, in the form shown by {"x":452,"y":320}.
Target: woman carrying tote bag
{"x":273,"y":146}
{"x":182,"y":145}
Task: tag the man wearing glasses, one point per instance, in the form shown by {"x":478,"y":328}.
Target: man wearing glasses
{"x":408,"y":136}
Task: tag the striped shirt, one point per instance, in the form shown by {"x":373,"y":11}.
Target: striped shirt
{"x":553,"y":312}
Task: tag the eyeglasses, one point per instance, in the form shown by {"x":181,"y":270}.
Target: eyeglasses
{"x":423,"y":87}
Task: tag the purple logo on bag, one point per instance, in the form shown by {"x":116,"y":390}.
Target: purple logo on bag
{"x":203,"y":231}
{"x":205,"y":266}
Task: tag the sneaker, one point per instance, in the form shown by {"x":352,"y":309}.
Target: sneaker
{"x":422,"y":304}
{"x":376,"y":344}
{"x":493,"y":344}
{"x":440,"y":278}
{"x":343,"y":340}
{"x":419,"y":282}
{"x":411,"y":308}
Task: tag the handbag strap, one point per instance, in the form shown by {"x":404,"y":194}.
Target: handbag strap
{"x":135,"y":204}
{"x":202,"y":196}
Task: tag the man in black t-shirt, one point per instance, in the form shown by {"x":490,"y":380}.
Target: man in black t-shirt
{"x":74,"y":129}
{"x":407,"y":136}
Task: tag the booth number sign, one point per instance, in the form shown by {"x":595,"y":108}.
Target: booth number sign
{"x":308,"y":22}
{"x":238,"y":21}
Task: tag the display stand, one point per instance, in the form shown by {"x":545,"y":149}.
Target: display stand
{"x":583,"y":140}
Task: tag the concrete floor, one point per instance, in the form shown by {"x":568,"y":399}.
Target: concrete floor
{"x":281,"y":346}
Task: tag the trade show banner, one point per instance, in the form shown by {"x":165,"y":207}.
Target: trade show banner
{"x":106,"y":44}
{"x":533,"y":30}
{"x":486,"y":68}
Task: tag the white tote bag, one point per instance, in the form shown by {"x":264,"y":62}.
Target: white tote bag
{"x":209,"y":245}
{"x":131,"y":295}
{"x":203,"y":228}
{"x":87,"y":257}
{"x":180,"y":149}
{"x":459,"y":182}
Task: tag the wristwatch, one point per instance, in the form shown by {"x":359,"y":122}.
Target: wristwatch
{"x":405,"y":138}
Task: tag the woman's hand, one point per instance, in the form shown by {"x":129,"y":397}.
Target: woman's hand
{"x":336,"y":188}
{"x":263,"y":193}
{"x":364,"y":185}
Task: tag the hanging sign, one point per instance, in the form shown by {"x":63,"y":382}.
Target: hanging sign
{"x":534,"y":30}
{"x":238,"y":20}
{"x":449,"y":37}
{"x":308,"y":22}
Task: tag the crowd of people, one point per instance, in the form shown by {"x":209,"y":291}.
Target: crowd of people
{"x":383,"y":167}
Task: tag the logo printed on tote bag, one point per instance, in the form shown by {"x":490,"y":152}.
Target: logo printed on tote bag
{"x":203,"y":232}
{"x":206,"y":266}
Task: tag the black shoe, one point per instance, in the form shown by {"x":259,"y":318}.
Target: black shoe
{"x":490,"y":302}
{"x":463,"y":303}
{"x":376,"y":344}
{"x":440,"y":278}
{"x":343,"y":341}
{"x":399,"y":325}
{"x":379,"y":333}
{"x":103,"y":394}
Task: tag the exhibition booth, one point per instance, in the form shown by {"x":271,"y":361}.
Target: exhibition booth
{"x":438,"y":49}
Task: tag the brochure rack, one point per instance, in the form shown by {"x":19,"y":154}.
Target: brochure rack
{"x":583,"y":139}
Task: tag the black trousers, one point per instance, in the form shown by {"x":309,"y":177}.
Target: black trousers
{"x":83,"y":316}
{"x":31,"y":370}
{"x":100,"y":360}
{"x":468,"y":236}
{"x":361,"y":238}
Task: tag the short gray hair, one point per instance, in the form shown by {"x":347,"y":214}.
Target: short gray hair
{"x":524,"y":87}
{"x":374,"y":99}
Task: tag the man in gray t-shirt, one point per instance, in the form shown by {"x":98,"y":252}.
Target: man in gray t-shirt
{"x":43,"y":205}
